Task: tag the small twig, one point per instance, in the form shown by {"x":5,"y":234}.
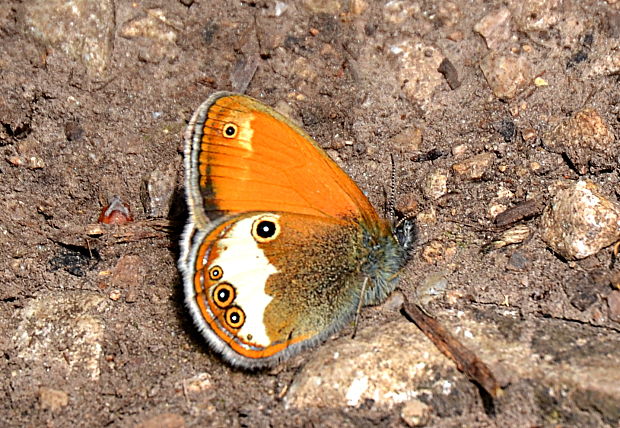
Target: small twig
{"x":466,"y":361}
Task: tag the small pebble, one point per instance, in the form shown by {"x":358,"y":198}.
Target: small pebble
{"x":583,"y":300}
{"x":357,"y":7}
{"x":329,"y":7}
{"x":450,"y":73}
{"x":495,"y":28}
{"x":518,"y":261}
{"x":116,"y":212}
{"x":280,"y":8}
{"x":514,"y":235}
{"x":394,"y":302}
{"x":459,"y":150}
{"x":456,"y":36}
{"x":197,"y":384}
{"x":613,"y":301}
{"x":15,"y":160}
{"x":537,"y":15}
{"x":73,"y":131}
{"x":417,"y":65}
{"x":415,"y":413}
{"x":128,"y":274}
{"x":427,"y":217}
{"x":432,"y":287}
{"x":408,"y":203}
{"x":474,"y":168}
{"x":507,"y":75}
{"x":165,"y":420}
{"x":586,"y":140}
{"x":29,"y":156}
{"x":52,"y":399}
{"x":115,"y":295}
{"x":408,"y":139}
{"x":433,"y":252}
{"x":436,"y":184}
{"x":539,"y":81}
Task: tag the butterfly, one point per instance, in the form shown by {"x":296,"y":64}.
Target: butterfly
{"x":281,"y":246}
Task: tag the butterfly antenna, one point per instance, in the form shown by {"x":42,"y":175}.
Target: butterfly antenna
{"x":406,"y":217}
{"x":392,"y":195}
{"x":359,"y":307}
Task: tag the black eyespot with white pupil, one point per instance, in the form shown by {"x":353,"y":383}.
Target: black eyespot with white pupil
{"x":235,"y":317}
{"x":215,"y":273}
{"x":230,"y":130}
{"x":266,"y":229}
{"x":223,"y":295}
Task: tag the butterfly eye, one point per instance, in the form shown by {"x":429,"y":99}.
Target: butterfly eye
{"x":224,"y":295}
{"x":265,"y":229}
{"x":215,"y":273}
{"x":235,"y":317}
{"x":230,"y":130}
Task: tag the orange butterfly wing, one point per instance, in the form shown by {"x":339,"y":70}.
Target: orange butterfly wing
{"x":245,"y":157}
{"x":257,"y":295}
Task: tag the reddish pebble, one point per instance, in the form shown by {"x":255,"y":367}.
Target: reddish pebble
{"x":116,"y":212}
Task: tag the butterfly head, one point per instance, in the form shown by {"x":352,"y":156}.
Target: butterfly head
{"x":406,"y":233}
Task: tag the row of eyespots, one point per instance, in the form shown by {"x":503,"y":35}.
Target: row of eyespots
{"x":224,"y":295}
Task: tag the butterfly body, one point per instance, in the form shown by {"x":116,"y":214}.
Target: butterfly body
{"x":281,"y":244}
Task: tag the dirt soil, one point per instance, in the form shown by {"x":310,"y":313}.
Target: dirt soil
{"x":94,"y":100}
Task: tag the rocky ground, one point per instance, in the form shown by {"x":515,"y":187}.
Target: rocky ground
{"x":503,"y":119}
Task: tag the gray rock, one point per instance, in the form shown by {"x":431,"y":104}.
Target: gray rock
{"x":408,"y":139}
{"x":548,"y":366}
{"x":83,"y":29}
{"x":605,"y":63}
{"x":62,"y":330}
{"x":349,"y":371}
{"x":155,"y":34}
{"x":157,"y":192}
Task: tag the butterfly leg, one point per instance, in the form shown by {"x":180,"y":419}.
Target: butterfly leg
{"x":359,"y":307}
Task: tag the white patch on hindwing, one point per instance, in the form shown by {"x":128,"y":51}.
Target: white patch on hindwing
{"x":246,"y":268}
